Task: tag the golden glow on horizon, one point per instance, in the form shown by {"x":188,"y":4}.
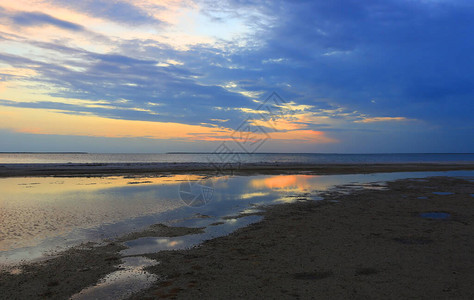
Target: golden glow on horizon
{"x":57,"y":122}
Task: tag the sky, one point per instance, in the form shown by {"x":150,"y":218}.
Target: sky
{"x":153,"y":76}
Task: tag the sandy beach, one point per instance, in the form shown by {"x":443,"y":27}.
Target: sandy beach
{"x":355,"y":244}
{"x":371,"y":244}
{"x":236,"y":149}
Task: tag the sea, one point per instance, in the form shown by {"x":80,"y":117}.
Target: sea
{"x":301,"y":158}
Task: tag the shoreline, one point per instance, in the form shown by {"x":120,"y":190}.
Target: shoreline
{"x":137,"y":169}
{"x":368,"y":243}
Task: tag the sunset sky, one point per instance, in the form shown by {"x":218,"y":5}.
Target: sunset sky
{"x":169,"y":75}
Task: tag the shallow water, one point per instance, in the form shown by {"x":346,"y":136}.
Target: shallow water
{"x":435,"y":215}
{"x":41,"y":215}
{"x":121,"y":284}
{"x":153,"y":244}
{"x":443,"y":193}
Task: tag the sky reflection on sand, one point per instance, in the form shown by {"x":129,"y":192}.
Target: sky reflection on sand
{"x":42,"y":214}
{"x":122,"y":283}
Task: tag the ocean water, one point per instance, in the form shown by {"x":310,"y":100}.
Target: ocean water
{"x":310,"y":158}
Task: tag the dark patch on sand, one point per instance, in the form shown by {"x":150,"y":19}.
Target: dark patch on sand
{"x":139,"y":182}
{"x":312,"y":275}
{"x":413,"y":240}
{"x":366,"y":271}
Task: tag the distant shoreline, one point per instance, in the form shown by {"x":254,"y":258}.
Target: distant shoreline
{"x":44,"y":152}
{"x":108,"y":169}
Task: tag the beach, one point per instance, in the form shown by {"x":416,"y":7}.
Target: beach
{"x":236,"y":149}
{"x":409,"y":238}
{"x":370,"y":244}
{"x":109,"y":169}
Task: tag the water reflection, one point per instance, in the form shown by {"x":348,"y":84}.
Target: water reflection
{"x":153,"y":244}
{"x":121,"y":284}
{"x":435,"y":215}
{"x":42,"y":214}
{"x":285,"y":182}
{"x":34,"y":209}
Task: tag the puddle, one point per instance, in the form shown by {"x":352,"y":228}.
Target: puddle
{"x":123,"y":283}
{"x":423,"y":197}
{"x":435,"y":215}
{"x":151,"y":244}
{"x":443,"y":193}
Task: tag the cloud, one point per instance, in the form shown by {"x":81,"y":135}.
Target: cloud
{"x":117,"y":11}
{"x":60,"y":122}
{"x":32,"y":19}
{"x":381,"y":119}
{"x":327,"y":59}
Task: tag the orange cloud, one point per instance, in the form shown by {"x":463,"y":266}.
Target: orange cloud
{"x":303,"y":136}
{"x":41,"y":121}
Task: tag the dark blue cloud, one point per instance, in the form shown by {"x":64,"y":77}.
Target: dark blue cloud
{"x":38,"y":19}
{"x":398,"y":53}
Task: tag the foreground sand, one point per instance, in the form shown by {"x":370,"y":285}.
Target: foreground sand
{"x":370,"y":244}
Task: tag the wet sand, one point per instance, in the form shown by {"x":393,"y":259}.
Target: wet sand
{"x":71,"y":271}
{"x":366,"y":244}
{"x":371,"y":244}
{"x":109,"y":169}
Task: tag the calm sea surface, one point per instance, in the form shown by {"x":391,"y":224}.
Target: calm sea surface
{"x":31,"y":158}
